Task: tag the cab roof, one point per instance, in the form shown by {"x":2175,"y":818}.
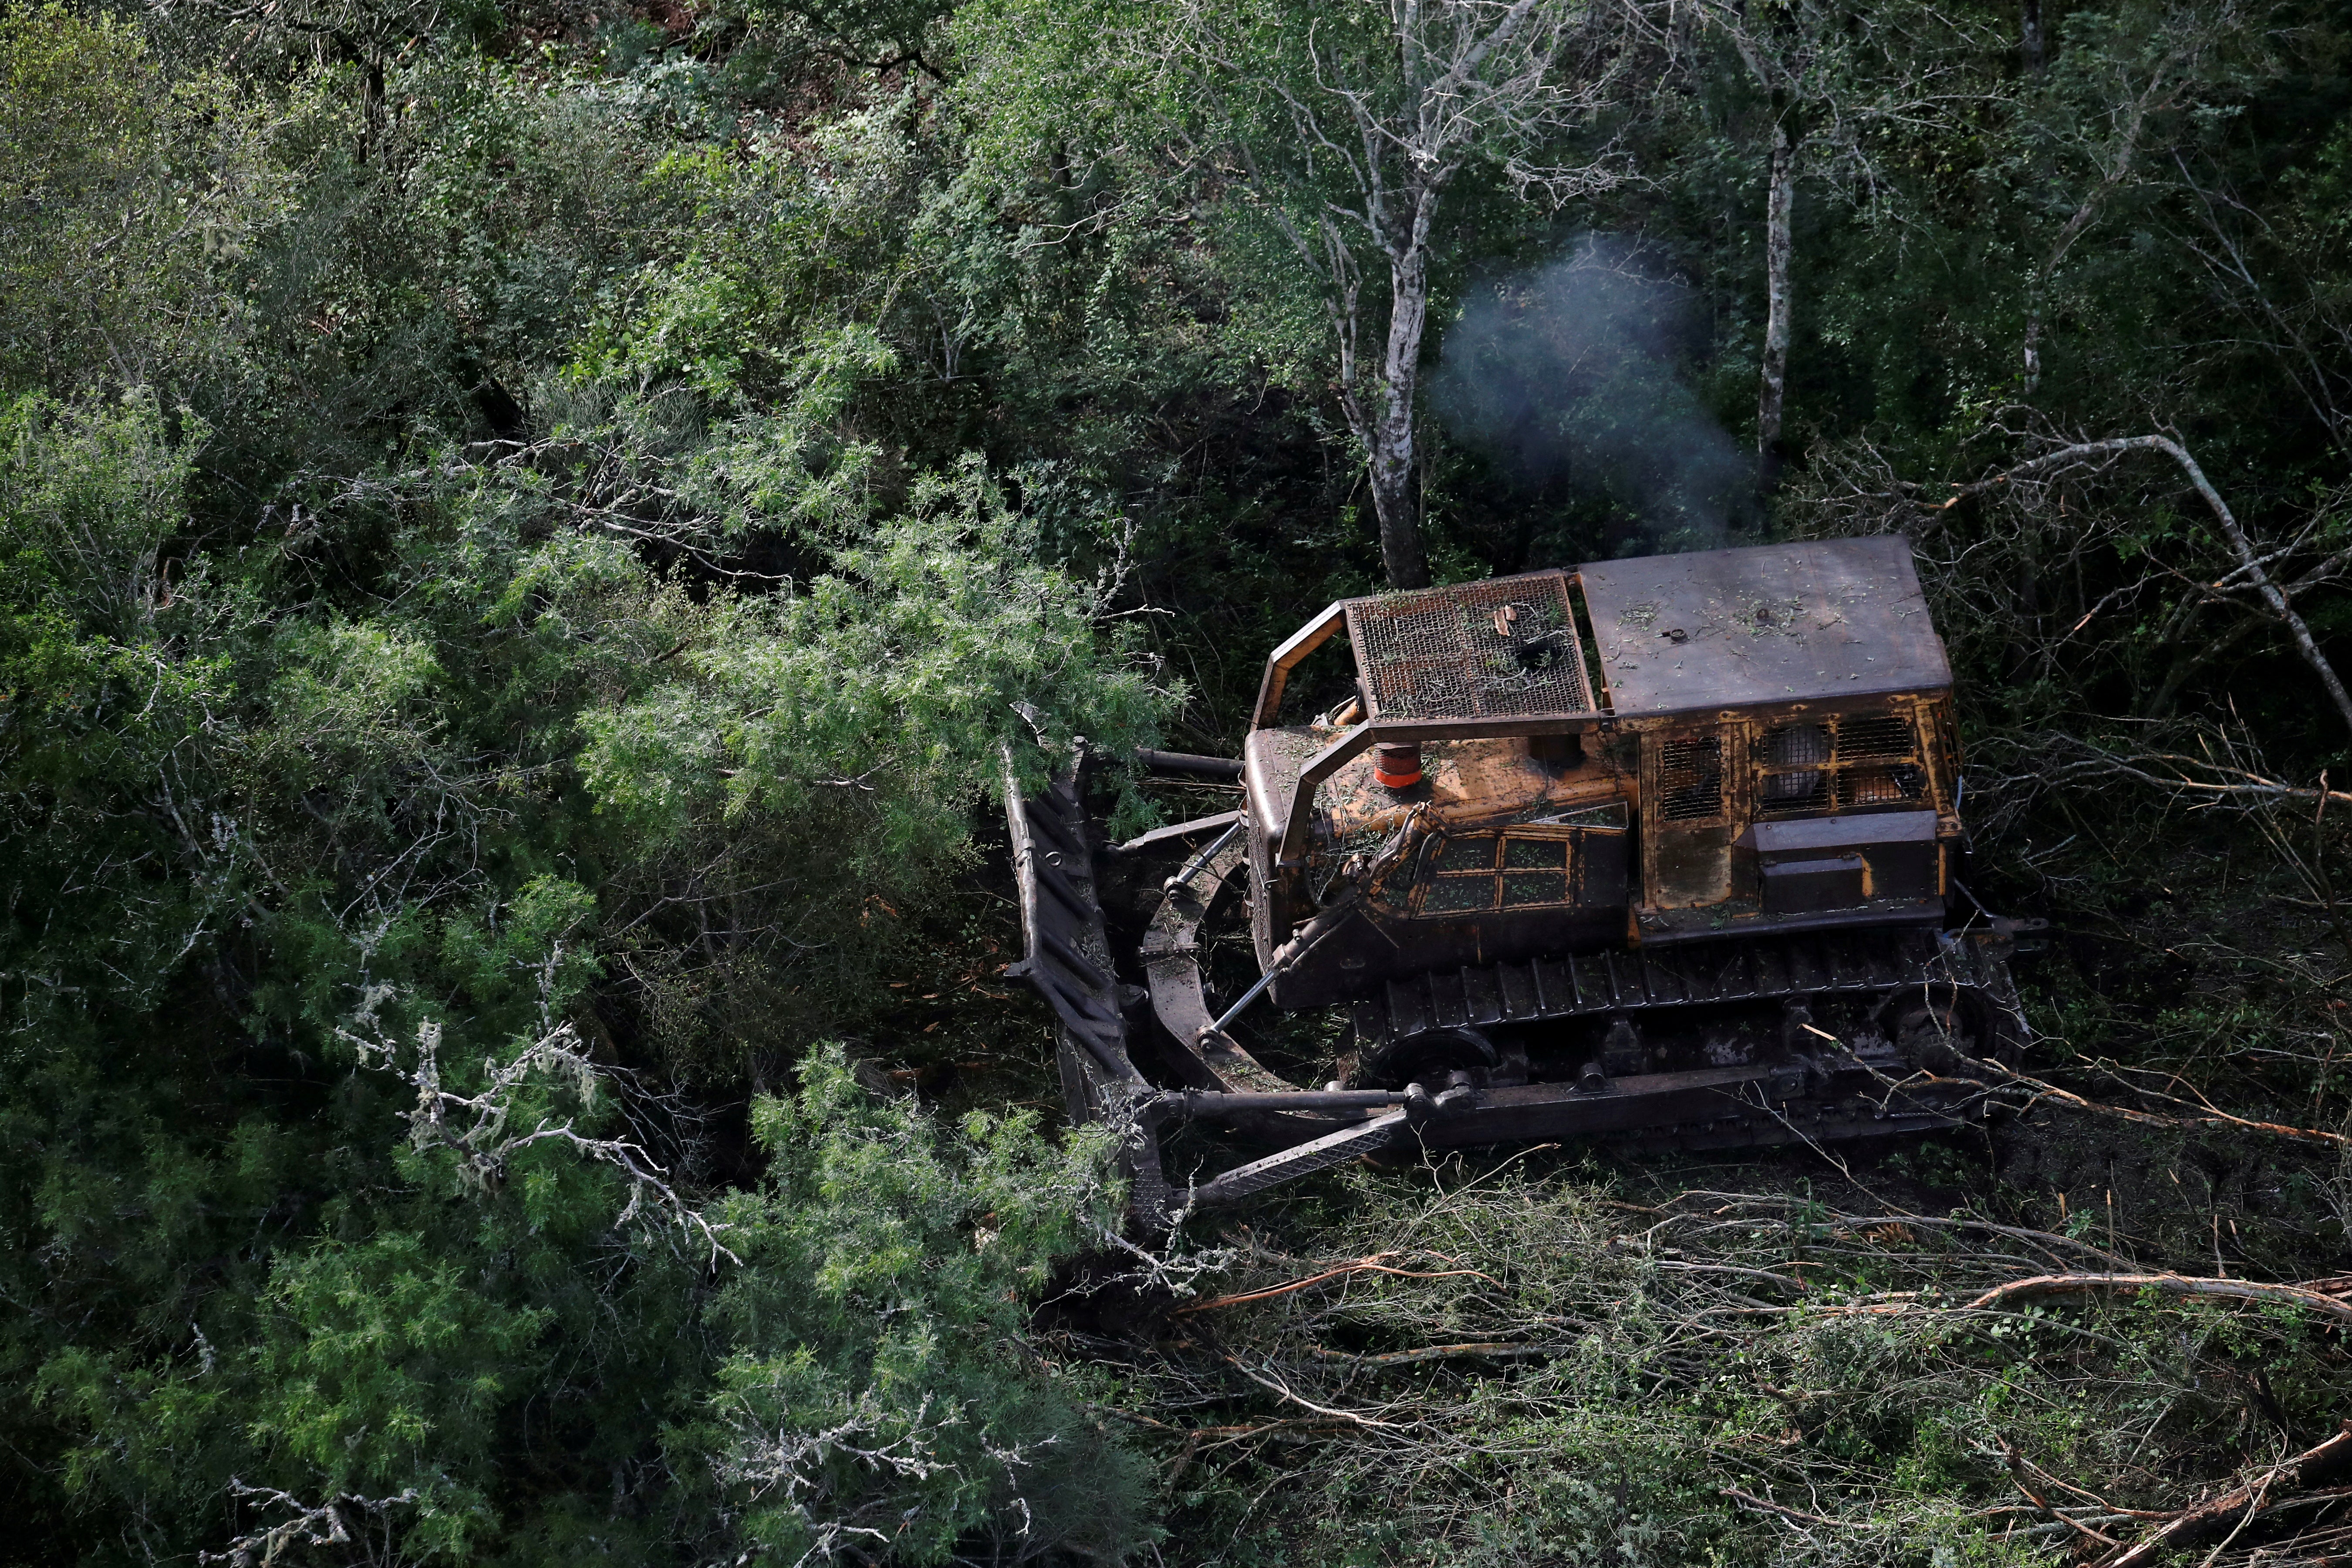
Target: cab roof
{"x":1820,"y":620}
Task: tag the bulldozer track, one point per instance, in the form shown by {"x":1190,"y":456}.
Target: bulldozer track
{"x":1605,"y":983}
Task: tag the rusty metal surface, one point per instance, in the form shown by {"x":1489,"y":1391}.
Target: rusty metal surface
{"x":1467,"y":787}
{"x":1819,"y":1093}
{"x":1723,"y":924}
{"x":1463,"y":781}
{"x":1628,"y":917}
{"x":1172,"y":961}
{"x":1828,"y":619}
{"x":1289,"y":657}
{"x":1711,"y":783}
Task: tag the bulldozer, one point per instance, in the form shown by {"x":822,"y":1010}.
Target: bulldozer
{"x":1664,"y":849}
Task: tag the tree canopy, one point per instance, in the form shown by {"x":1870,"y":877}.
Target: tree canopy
{"x":528,"y":533}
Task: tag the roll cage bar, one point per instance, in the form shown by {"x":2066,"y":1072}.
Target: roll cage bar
{"x":1300,"y":813}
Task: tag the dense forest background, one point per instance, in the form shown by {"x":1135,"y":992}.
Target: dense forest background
{"x":525,"y":529}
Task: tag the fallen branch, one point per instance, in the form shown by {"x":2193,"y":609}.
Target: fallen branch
{"x":2250,"y":563}
{"x":2109,"y":1512}
{"x":2175,"y":1284}
{"x":1232,"y":1433}
{"x":2098,"y":761}
{"x":2306,"y":1469}
{"x":1274,"y":1385}
{"x":1787,"y":1513}
{"x":2017,"y":1469}
{"x":1222,"y":1436}
{"x":2045,"y":1240}
{"x":1371,"y":1264}
{"x":2213,"y":1118}
{"x":1502,"y":1350}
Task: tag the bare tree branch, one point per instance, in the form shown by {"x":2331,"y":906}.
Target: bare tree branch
{"x":475,"y":1127}
{"x":1356,"y":138}
{"x":2249,"y":562}
{"x":358,"y":1524}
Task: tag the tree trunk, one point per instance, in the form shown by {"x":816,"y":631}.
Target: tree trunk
{"x":1392,"y":504}
{"x":2250,"y":563}
{"x":1389,"y":442}
{"x":371,"y":108}
{"x":1780,"y":208}
{"x":2117,"y":172}
{"x":2030,"y":34}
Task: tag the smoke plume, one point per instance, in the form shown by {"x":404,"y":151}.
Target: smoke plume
{"x":1568,"y":378}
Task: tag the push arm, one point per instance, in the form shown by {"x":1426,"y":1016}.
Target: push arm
{"x":1318,"y":767}
{"x":1288,"y":657}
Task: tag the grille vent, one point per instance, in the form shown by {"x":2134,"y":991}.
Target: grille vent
{"x":1690,"y":781}
{"x":1504,"y":647}
{"x":1837,"y":764}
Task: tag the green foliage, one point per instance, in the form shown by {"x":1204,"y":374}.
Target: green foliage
{"x":948,"y":625}
{"x":857,"y":1356}
{"x":526,"y":543}
{"x":138,"y":203}
{"x":342,"y":727}
{"x":876,"y":1393}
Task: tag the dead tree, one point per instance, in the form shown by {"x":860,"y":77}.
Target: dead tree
{"x":2278,"y":278}
{"x":1346,"y":129}
{"x":2047,"y":557}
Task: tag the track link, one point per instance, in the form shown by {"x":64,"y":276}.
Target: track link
{"x":1760,"y":969}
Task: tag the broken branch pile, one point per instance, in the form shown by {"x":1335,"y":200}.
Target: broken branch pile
{"x":1760,"y":1376}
